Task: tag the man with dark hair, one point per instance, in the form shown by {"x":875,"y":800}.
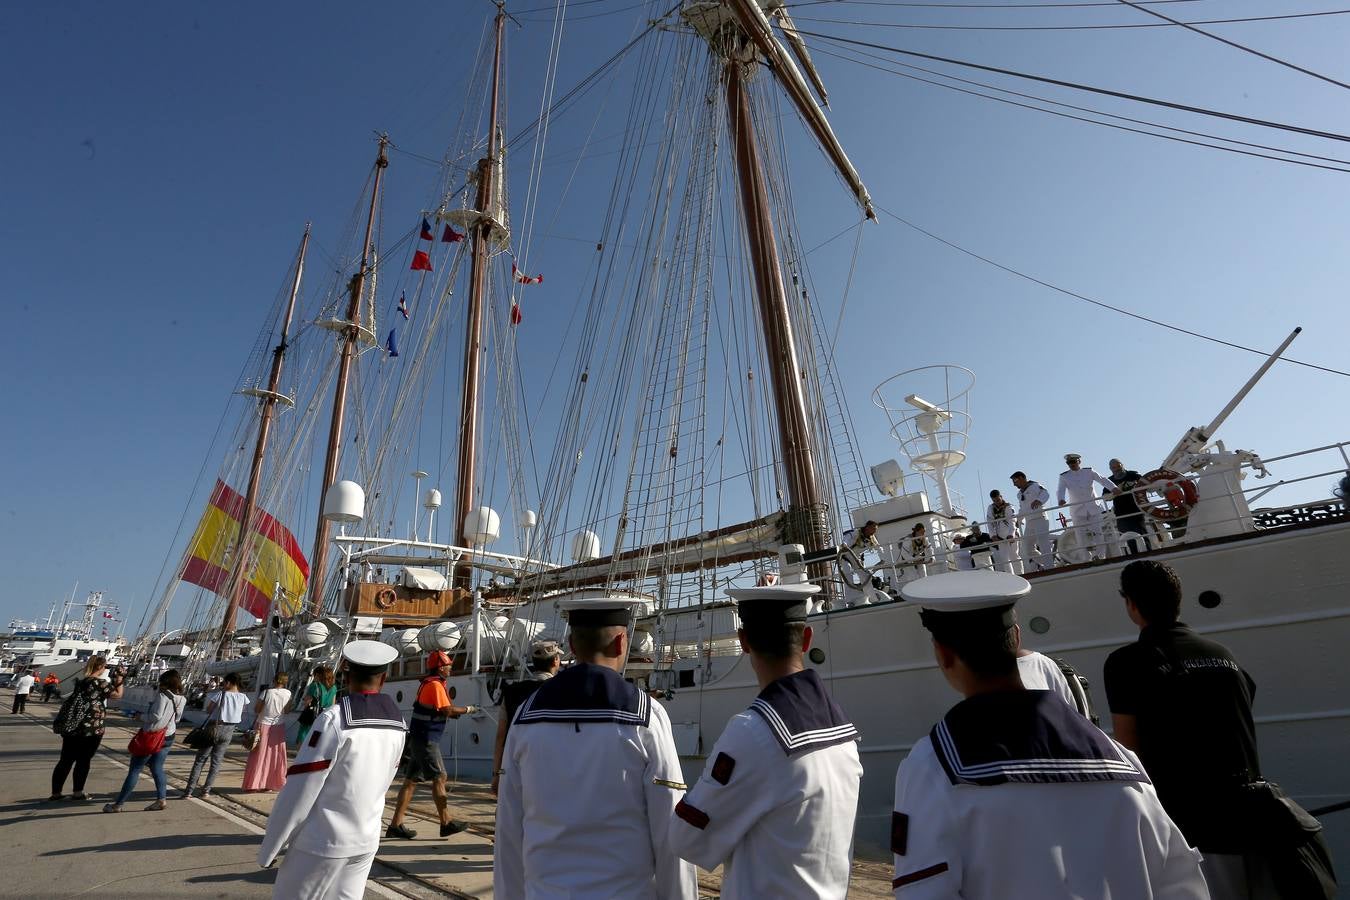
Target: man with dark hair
{"x":545,"y":660}
{"x":590,"y":776}
{"x":1038,"y":553}
{"x":1015,"y":794}
{"x":1129,"y":517}
{"x":1184,"y":705}
{"x":432,"y":708}
{"x":777,"y":800}
{"x":328,"y":814}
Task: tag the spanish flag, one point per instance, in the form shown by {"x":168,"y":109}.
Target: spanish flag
{"x":273,"y":553}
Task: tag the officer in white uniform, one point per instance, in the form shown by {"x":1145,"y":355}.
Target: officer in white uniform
{"x":779,"y":794}
{"x":1013,"y":793}
{"x":1038,"y":553}
{"x":590,"y":777}
{"x":328,"y":814}
{"x":1002,"y":519}
{"x":1077,"y":485}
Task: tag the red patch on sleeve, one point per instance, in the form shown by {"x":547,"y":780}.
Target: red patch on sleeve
{"x":920,"y":875}
{"x":899,"y":833}
{"x":692,"y":814}
{"x":722,"y":768}
{"x":316,"y":766}
{"x":314,"y":738}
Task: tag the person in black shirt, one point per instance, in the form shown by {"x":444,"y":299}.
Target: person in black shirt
{"x":1129,"y":517}
{"x":545,"y":660}
{"x":1184,"y":704}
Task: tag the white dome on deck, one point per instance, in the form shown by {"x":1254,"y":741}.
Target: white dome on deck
{"x":482,"y":526}
{"x":345,"y":501}
{"x":585,"y":546}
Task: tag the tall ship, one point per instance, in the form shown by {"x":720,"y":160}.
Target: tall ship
{"x":690,"y":434}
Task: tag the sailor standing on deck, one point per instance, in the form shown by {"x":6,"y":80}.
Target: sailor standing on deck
{"x":777,"y":800}
{"x":590,"y":777}
{"x":1037,"y":551}
{"x":1077,"y":484}
{"x":329,"y":811}
{"x":1014,"y":794}
{"x":1003,"y":527}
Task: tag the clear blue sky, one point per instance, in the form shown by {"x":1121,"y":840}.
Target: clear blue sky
{"x":160,"y":159}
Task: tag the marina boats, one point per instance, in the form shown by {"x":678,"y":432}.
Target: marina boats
{"x":692,"y":434}
{"x":63,"y":644}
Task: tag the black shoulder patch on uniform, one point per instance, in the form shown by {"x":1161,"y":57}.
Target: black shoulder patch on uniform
{"x":899,"y":833}
{"x":722,"y":768}
{"x":314,"y":738}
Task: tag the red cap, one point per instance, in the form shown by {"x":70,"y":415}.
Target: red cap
{"x":436,"y":659}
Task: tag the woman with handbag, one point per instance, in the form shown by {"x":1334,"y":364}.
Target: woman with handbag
{"x":266,"y":766}
{"x":152,"y":743}
{"x":80,"y":724}
{"x":321,"y":694}
{"x":224,"y":711}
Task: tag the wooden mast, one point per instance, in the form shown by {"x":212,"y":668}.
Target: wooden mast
{"x":269,"y":400}
{"x":465,"y":485}
{"x":350,"y":335}
{"x":806,"y":503}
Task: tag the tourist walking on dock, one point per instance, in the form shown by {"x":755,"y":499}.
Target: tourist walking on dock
{"x":319,"y":695}
{"x":1184,"y":704}
{"x":266,"y":766}
{"x":22,"y":688}
{"x":590,"y":778}
{"x":1015,"y":794}
{"x":224,"y":711}
{"x":160,"y":718}
{"x":1038,"y":554}
{"x":422,"y":760}
{"x":328,"y":814}
{"x":80,"y":724}
{"x":778,"y":797}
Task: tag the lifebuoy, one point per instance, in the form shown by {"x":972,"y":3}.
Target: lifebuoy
{"x":386,"y":598}
{"x":1179,"y":495}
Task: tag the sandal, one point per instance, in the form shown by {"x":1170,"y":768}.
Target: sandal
{"x":56,"y":798}
{"x":157,"y":806}
{"x":81,"y":797}
{"x":112,"y":807}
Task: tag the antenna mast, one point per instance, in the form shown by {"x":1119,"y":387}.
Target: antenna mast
{"x":484,"y":233}
{"x":350,"y":334}
{"x":269,"y":399}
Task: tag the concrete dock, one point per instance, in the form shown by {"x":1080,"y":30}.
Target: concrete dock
{"x":206,"y":848}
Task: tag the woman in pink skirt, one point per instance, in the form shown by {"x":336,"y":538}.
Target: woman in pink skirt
{"x":266,"y":767}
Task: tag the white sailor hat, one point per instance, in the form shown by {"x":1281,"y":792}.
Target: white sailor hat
{"x":780,"y":602}
{"x":1069,"y":457}
{"x":599,"y":608}
{"x":369,"y":655}
{"x":962,"y":602}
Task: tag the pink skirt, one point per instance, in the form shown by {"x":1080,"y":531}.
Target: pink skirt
{"x":266,"y":767}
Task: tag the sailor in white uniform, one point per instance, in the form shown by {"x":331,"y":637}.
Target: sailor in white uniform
{"x":916,"y":554}
{"x":1013,"y":793}
{"x":328,"y":814}
{"x":776,"y":802}
{"x":1037,"y":552}
{"x":590,"y":777}
{"x":1077,"y":485}
{"x":1002,"y":519}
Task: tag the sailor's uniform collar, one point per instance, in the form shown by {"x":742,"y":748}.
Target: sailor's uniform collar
{"x":1028,"y":737}
{"x":586,"y":693}
{"x":370,"y":711}
{"x":802,"y":715}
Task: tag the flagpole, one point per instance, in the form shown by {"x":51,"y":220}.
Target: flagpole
{"x":268,"y":399}
{"x":482,"y":234}
{"x":319,"y":559}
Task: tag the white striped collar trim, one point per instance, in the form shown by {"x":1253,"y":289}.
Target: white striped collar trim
{"x":1030,"y":770}
{"x":791,"y":742}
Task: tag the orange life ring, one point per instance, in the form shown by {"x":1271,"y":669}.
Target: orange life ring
{"x":386,"y":599}
{"x":1179,"y":495}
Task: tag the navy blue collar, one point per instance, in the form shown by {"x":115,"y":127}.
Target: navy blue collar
{"x":371,"y":711}
{"x":1028,"y":737}
{"x":586,"y":693}
{"x":801,"y":715}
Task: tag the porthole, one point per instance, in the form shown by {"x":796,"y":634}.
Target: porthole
{"x":816,"y":655}
{"x":1039,"y":624}
{"x":1210,"y":599}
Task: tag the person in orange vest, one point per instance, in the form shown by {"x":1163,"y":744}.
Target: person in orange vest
{"x":49,"y":686}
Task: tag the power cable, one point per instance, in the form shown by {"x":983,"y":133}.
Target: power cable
{"x":1116,"y":309}
{"x":1200,"y":110}
{"x":1244,"y":48}
{"x":909,"y":25}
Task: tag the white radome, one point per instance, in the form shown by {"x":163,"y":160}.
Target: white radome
{"x":482,"y":526}
{"x":585,"y":546}
{"x":345,"y":502}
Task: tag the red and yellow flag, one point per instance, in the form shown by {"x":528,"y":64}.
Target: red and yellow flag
{"x":274,"y":554}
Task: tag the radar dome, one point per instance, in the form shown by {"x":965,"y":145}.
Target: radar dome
{"x":345,"y":502}
{"x":482,"y":525}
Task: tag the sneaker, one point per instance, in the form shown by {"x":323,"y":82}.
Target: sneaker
{"x":204,"y":793}
{"x":112,"y":807}
{"x":400,"y":831}
{"x":452,"y":828}
{"x":157,"y":806}
{"x":56,"y":798}
{"x":81,"y":797}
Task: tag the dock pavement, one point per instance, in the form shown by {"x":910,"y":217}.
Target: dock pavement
{"x":207,"y":848}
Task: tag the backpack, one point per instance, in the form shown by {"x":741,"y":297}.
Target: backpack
{"x":75,"y":711}
{"x":1081,"y":689}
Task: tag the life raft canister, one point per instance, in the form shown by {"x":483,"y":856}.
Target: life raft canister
{"x":1179,"y":495}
